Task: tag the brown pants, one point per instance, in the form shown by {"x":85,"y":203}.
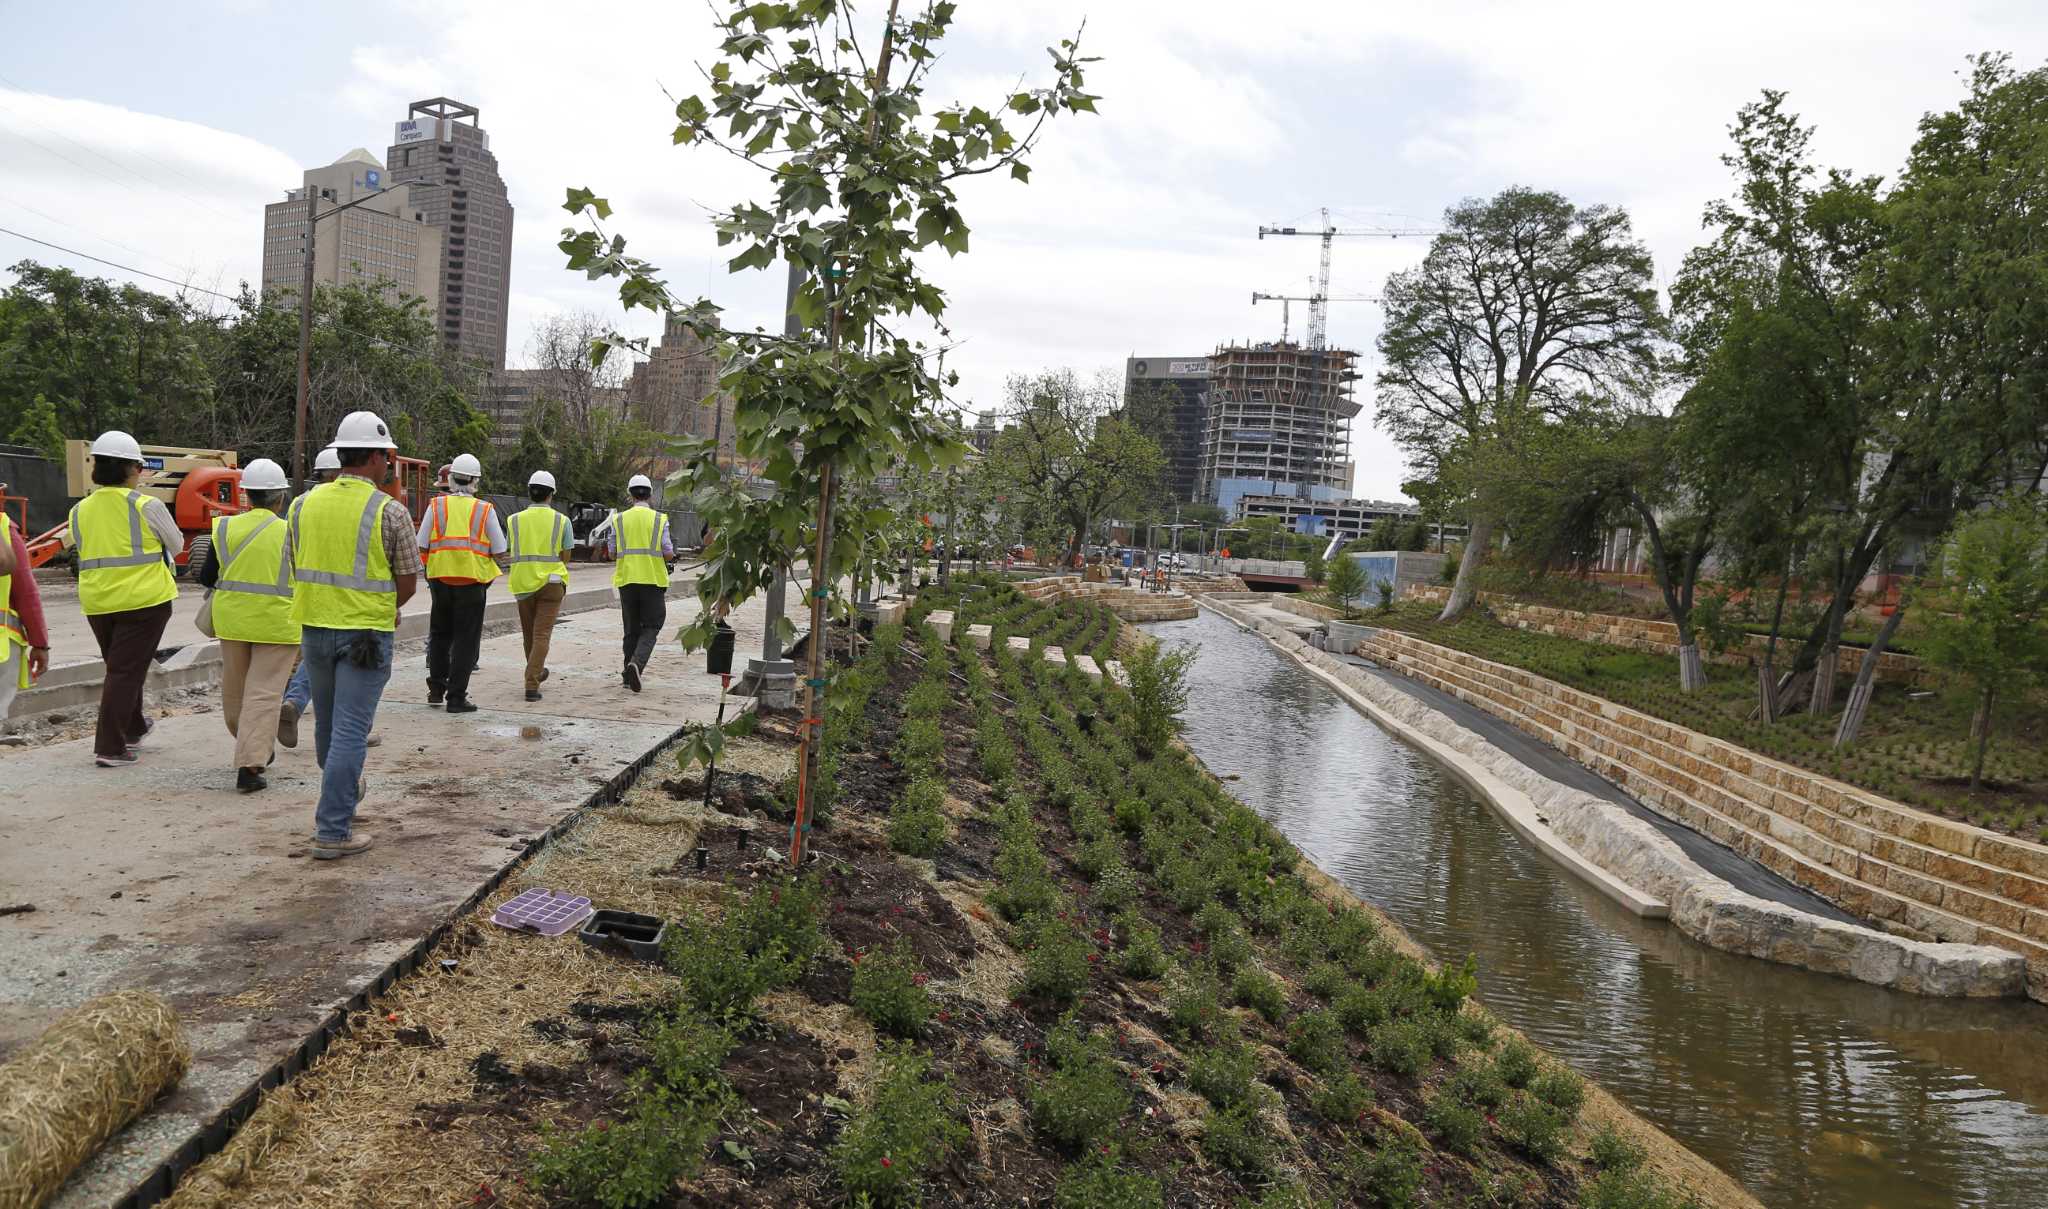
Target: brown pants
{"x":252,"y":680}
{"x":536,"y":626}
{"x":127,"y":646}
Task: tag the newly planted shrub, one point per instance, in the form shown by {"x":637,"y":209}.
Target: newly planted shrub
{"x":1480,"y":1086}
{"x":1261,"y":992}
{"x":1316,"y":1040}
{"x":1224,"y":1073}
{"x":888,"y":989}
{"x":1611,"y":1151}
{"x":1234,"y":1138}
{"x":1117,"y":888}
{"x":1458,"y":1126}
{"x":1325,"y":980}
{"x":917,"y":825}
{"x":1562,"y":1090}
{"x":1058,"y":961}
{"x":1086,"y":1092}
{"x":761,"y":943}
{"x":632,"y":1162}
{"x":1341,"y":1097}
{"x":1399,"y":1046}
{"x":1448,"y":988}
{"x":1144,"y":955}
{"x":1100,"y":1182}
{"x":1195,"y":1004}
{"x":908,"y":1129}
{"x":1389,"y":1177}
{"x":686,"y":1052}
{"x":1516,"y":1063}
{"x":1533,"y":1127}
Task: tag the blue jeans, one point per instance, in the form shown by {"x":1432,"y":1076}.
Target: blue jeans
{"x":345,"y":705}
{"x":299,"y":693}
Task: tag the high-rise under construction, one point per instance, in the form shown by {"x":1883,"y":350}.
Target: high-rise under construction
{"x":1278,"y":423}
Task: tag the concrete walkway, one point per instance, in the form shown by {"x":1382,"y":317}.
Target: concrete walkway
{"x":160,"y":876}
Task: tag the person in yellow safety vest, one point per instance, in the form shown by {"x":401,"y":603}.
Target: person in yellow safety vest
{"x":299,"y":693}
{"x":126,"y":543}
{"x":639,"y":539}
{"x":461,"y":535}
{"x":541,"y":541}
{"x":252,"y":618}
{"x":354,"y":563}
{"x":24,"y":638}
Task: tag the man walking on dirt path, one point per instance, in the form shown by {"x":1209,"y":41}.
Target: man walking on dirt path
{"x":461,"y":536}
{"x":355,"y":562}
{"x":639,"y":539}
{"x":539,"y":578}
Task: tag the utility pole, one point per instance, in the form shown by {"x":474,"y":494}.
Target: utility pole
{"x":313,"y":217}
{"x":305,"y":342}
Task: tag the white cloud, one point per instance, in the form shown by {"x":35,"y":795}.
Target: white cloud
{"x":1136,"y":234}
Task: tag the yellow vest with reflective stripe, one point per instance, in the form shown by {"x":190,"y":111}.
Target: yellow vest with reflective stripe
{"x":121,"y":561}
{"x":636,"y":538}
{"x":252,"y":592}
{"x":535,"y":536}
{"x":458,"y":540}
{"x":341,"y":577}
{"x":12,"y":631}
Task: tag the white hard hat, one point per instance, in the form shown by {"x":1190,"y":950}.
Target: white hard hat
{"x":117,"y":444}
{"x":542,"y":478}
{"x":327,"y":459}
{"x":363,"y":430}
{"x":639,"y":480}
{"x":263,"y":475}
{"x":467,"y":466}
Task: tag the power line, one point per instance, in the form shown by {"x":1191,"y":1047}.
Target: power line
{"x":156,"y":184}
{"x":183,"y":285}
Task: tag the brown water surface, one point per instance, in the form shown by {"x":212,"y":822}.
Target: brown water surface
{"x":1815,"y":1092}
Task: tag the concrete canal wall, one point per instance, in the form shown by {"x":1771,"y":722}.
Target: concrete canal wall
{"x":1129,"y":604}
{"x":1917,"y":875}
{"x":1636,"y":865}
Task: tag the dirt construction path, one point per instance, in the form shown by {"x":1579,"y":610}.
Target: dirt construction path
{"x":160,"y":876}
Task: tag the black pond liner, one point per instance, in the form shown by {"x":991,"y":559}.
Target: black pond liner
{"x":215,"y":1134}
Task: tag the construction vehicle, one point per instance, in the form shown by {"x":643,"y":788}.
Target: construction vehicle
{"x":197,"y":485}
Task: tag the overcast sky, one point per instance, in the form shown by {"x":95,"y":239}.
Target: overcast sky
{"x":152,"y":134}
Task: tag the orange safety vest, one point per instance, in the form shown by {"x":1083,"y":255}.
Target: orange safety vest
{"x":458,"y":541}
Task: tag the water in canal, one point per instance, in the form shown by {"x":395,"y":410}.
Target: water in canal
{"x":1814,"y":1092}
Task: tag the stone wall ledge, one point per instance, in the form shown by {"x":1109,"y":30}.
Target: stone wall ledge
{"x":1832,"y":839}
{"x":1637,"y":855}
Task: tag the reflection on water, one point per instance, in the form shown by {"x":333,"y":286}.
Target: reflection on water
{"x":1813,"y":1091}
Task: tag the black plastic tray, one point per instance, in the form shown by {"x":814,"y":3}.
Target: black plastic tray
{"x":627,"y":932}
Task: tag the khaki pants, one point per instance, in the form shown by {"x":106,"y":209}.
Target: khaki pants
{"x":252,"y":680}
{"x":537,"y":614}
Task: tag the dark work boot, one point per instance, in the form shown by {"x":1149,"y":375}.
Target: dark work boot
{"x":436,"y":693}
{"x":249,"y":780}
{"x":461,"y":705}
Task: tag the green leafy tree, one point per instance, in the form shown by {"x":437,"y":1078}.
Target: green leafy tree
{"x":862,"y":176}
{"x":1987,"y":609}
{"x":1523,"y":307}
{"x":1069,"y":457}
{"x":38,"y":429}
{"x":1158,"y":684}
{"x":1344,"y":582}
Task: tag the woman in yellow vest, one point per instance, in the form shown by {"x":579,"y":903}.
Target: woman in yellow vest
{"x":24,"y":638}
{"x":539,"y":578}
{"x":252,"y":618}
{"x":126,"y":543}
{"x":638,"y":538}
{"x":461,"y":535}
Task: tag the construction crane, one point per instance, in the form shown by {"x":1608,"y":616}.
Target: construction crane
{"x":1318,"y":309}
{"x":1284,"y":299}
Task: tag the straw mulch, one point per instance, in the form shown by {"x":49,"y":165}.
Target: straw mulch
{"x":90,"y":1074}
{"x":400,"y":1110}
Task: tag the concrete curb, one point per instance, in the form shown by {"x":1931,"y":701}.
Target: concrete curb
{"x":198,"y":663}
{"x":1632,"y":862}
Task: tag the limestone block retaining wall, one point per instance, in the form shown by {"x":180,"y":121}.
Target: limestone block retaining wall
{"x":1914,"y":874}
{"x":1703,"y":906}
{"x":1658,"y":637}
{"x":1128,"y":604}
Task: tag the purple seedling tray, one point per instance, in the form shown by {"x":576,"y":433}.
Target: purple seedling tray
{"x":542,"y":911}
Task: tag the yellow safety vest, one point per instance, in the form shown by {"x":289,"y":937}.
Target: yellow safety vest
{"x":252,"y":592}
{"x":636,"y":538}
{"x":12,"y":631}
{"x":341,"y":577}
{"x":122,"y":564}
{"x":536,"y":540}
{"x":458,"y":540}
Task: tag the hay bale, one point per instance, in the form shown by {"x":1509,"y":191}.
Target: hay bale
{"x":94,"y":1071}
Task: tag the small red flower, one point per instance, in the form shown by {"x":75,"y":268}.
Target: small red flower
{"x":886,"y":1162}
